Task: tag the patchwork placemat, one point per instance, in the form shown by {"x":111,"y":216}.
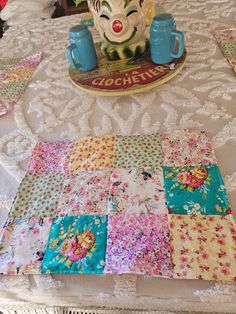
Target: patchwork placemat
{"x":226,"y":39}
{"x":153,"y":205}
{"x":15,"y":74}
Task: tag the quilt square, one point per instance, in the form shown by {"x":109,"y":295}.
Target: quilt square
{"x":17,"y":74}
{"x":23,"y":244}
{"x":137,"y":190}
{"x":51,"y":157}
{"x":84,"y":193}
{"x":92,"y":153}
{"x":37,"y":195}
{"x":138,"y":151}
{"x":138,"y":244}
{"x":203,"y":247}
{"x":185,"y":147}
{"x":76,"y":245}
{"x":196,"y":190}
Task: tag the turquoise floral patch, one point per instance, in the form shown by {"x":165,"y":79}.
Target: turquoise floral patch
{"x":76,"y":245}
{"x":195,"y":190}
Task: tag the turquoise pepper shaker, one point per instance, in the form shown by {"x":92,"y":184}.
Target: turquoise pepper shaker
{"x":163,"y":36}
{"x":81,"y":53}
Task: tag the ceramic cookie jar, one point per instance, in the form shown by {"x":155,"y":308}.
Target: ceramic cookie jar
{"x":122,"y":26}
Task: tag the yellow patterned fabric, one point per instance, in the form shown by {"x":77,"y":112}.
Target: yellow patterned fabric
{"x":203,"y":247}
{"x":92,"y":153}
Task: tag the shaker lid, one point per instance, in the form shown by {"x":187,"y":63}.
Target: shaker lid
{"x":78,"y":30}
{"x":164,"y":19}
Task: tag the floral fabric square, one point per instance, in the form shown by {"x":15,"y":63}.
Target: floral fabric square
{"x":138,"y":244}
{"x":138,"y":151}
{"x":23,"y":244}
{"x":51,"y":157}
{"x":37,"y":195}
{"x":195,"y":190}
{"x":76,"y":245}
{"x":92,"y":153}
{"x":137,"y":190}
{"x":85,"y":193}
{"x":185,"y":147}
{"x":204,"y":247}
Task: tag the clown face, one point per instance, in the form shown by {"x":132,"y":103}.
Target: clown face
{"x":121,"y":22}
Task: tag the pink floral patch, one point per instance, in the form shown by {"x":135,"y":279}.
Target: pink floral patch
{"x":185,"y":147}
{"x":51,"y":157}
{"x":138,"y":244}
{"x":84,"y":193}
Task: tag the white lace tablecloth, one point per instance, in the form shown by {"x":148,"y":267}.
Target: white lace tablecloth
{"x":203,"y":95}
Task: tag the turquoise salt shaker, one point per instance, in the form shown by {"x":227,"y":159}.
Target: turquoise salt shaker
{"x":163,"y":36}
{"x":81,"y":53}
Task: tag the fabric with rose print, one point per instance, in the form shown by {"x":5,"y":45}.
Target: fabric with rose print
{"x":203,"y":247}
{"x":23,"y":245}
{"x":187,"y":147}
{"x":137,"y":190}
{"x":138,"y":244}
{"x":92,"y":153}
{"x":76,"y":245}
{"x":138,"y":151}
{"x":37,"y":195}
{"x":51,"y":157}
{"x":84,"y":193}
{"x":195,"y":190}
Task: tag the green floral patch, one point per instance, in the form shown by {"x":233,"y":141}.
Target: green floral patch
{"x":12,"y":90}
{"x":195,"y":190}
{"x":229,"y":49}
{"x":76,"y":245}
{"x":138,"y":151}
{"x":37,"y":195}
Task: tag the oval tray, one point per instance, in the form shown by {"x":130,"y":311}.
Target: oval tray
{"x":125,"y":77}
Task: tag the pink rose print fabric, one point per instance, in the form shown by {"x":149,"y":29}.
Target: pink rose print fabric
{"x":203,"y":247}
{"x":51,"y":157}
{"x":84,"y":193}
{"x":185,"y":147}
{"x":23,"y":244}
{"x":138,"y":244}
{"x":137,"y":191}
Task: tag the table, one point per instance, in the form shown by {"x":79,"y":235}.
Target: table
{"x":202,"y":96}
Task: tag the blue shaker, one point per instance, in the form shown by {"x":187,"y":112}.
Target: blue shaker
{"x":81,"y":53}
{"x":163,"y":36}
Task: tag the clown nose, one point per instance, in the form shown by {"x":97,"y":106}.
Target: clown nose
{"x":117,"y":26}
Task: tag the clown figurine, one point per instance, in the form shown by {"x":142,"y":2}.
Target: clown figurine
{"x":122,"y":26}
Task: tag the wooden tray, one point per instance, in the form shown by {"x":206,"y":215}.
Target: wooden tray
{"x":125,"y":77}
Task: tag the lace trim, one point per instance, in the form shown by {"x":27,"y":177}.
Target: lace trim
{"x":218,"y":293}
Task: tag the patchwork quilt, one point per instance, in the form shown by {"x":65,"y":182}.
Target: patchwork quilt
{"x":15,"y":74}
{"x":226,"y":39}
{"x":153,"y":205}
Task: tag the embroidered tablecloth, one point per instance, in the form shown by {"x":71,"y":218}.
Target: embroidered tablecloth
{"x":202,"y":96}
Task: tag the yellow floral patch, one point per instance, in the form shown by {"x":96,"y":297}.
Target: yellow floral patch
{"x":92,"y":153}
{"x":21,"y":74}
{"x":203,"y":247}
